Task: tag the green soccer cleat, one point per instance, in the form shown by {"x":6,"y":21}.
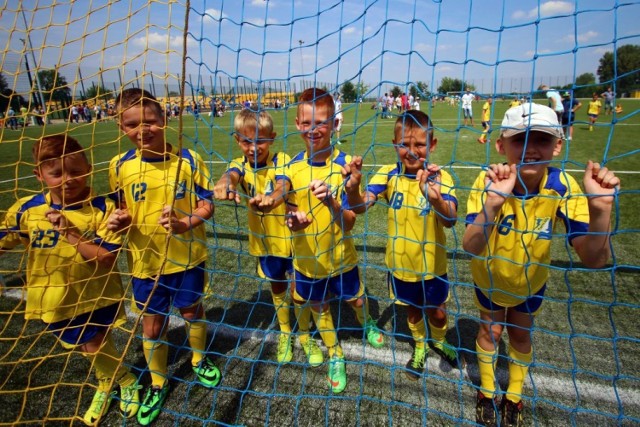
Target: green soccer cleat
{"x":337,"y":378}
{"x":152,"y":404}
{"x":374,"y":334}
{"x":448,"y":353}
{"x":313,"y":352}
{"x":511,"y":413}
{"x":130,"y":400}
{"x":415,"y":365}
{"x":486,"y":410}
{"x":99,"y":406}
{"x":207,"y":373}
{"x":285,"y":351}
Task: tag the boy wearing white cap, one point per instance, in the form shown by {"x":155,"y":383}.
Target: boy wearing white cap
{"x":512,"y":210}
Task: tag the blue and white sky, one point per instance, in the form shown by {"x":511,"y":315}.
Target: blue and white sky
{"x":498,"y":45}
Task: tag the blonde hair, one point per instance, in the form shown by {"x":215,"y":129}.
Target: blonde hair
{"x":248,"y":119}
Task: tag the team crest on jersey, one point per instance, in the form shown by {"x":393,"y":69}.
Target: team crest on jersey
{"x":181,"y":190}
{"x":268,"y":188}
{"x":543,"y":228}
{"x":424,"y":206}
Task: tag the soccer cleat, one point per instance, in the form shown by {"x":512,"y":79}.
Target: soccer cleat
{"x":207,"y":373}
{"x":337,"y":378}
{"x":313,"y":352}
{"x":285,"y":351}
{"x":486,"y":413}
{"x":510,"y":413}
{"x":99,"y":406}
{"x":415,"y":365}
{"x":152,"y":404}
{"x":374,"y":335}
{"x":448,"y":353}
{"x":130,"y":400}
{"x":481,"y":141}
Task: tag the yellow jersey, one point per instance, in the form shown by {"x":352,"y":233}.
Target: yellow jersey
{"x":61,"y":284}
{"x":146,"y":186}
{"x":515,"y":263}
{"x":322,"y":249}
{"x":268,"y":232}
{"x":416,"y":245}
{"x":594,"y":107}
{"x":486,"y":112}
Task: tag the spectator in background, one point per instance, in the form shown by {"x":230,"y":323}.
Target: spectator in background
{"x":555,"y":101}
{"x":570,"y":105}
{"x":467,"y":107}
{"x":609,"y":97}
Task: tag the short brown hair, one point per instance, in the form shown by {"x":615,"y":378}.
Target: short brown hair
{"x":319,"y":98}
{"x":135,"y":96}
{"x":56,"y":147}
{"x":413,"y":119}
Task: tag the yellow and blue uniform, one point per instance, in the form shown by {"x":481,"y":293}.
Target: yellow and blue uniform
{"x":269,"y":235}
{"x":486,"y":114}
{"x":515,"y":263}
{"x":322,"y":249}
{"x":61,"y":284}
{"x":146,"y":186}
{"x":594,"y":108}
{"x":416,"y":246}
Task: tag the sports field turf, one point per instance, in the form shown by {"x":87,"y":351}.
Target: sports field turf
{"x":586,"y":340}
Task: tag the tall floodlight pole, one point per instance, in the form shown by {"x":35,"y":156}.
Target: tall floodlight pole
{"x":35,"y":64}
{"x":301,"y":42}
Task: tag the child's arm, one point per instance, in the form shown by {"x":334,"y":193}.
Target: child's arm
{"x":431,"y":187}
{"x":297,"y":220}
{"x":352,"y":175}
{"x":267,"y":203}
{"x":225,"y":188}
{"x":499,"y":182}
{"x":85,"y":247}
{"x":601,"y":185}
{"x":170,"y":221}
{"x":345,"y":218}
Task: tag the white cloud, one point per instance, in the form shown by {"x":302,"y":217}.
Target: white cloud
{"x":584,"y":37}
{"x":213,"y":15}
{"x":262,"y":3}
{"x":530,"y":53}
{"x":349,"y":30}
{"x":158,"y":41}
{"x":550,"y":8}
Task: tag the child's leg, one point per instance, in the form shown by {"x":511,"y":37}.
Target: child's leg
{"x":487,"y":348}
{"x":196,"y":331}
{"x":437,"y":322}
{"x":324,"y":322}
{"x":279,"y":296}
{"x":155,"y":347}
{"x":520,"y":354}
{"x":107,"y":361}
{"x":415,"y":320}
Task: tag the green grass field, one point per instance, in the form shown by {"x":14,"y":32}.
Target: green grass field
{"x":586,"y":369}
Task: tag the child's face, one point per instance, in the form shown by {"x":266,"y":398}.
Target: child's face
{"x":145,"y":128}
{"x":413,"y":147}
{"x":315,"y":125}
{"x":531,"y":154}
{"x":66,"y":180}
{"x":255,"y":148}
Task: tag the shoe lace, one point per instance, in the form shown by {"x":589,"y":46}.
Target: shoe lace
{"x":206,"y":367}
{"x":337,"y":367}
{"x":310,"y":346}
{"x":512,"y":412}
{"x":447,"y":350}
{"x":128,"y":392}
{"x":418,"y":357}
{"x":283,"y":344}
{"x":99,"y":400}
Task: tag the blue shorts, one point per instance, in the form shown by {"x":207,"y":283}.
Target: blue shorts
{"x":345,"y":286}
{"x":85,"y":327}
{"x":179,"y":290}
{"x":530,"y":305}
{"x":274,"y":268}
{"x":432,"y":292}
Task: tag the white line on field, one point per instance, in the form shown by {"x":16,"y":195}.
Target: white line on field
{"x":554,"y":385}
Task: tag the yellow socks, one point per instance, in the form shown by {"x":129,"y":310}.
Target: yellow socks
{"x":156,"y":353}
{"x":282,"y":311}
{"x":197,"y":333}
{"x":518,"y":368}
{"x":418,"y":332}
{"x":303,"y":316}
{"x":487,"y":361}
{"x":107,"y":363}
{"x":437,"y":333}
{"x":324,"y":323}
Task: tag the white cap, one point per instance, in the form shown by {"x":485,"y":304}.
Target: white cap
{"x":530,"y":117}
